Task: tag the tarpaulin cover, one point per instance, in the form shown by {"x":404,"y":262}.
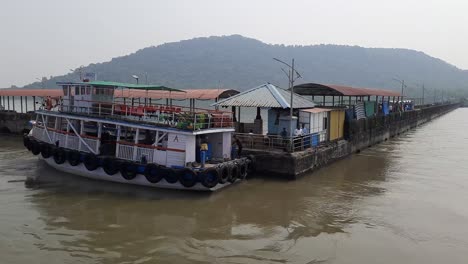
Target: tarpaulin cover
{"x":370,"y":108}
{"x":349,"y":114}
{"x":359,"y":109}
{"x":315,"y":139}
{"x":385,"y":108}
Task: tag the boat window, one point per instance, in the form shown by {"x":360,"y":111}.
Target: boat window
{"x":90,"y":128}
{"x":127,"y":134}
{"x":77,"y":90}
{"x":50,"y":122}
{"x":83,"y":92}
{"x":65,"y":90}
{"x":147,"y":137}
{"x":61,"y":124}
{"x":88,"y":90}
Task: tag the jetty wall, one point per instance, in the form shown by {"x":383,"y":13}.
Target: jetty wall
{"x":359,"y":134}
{"x":13,"y":122}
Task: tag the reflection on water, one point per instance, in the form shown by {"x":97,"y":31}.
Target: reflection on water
{"x":401,"y":201}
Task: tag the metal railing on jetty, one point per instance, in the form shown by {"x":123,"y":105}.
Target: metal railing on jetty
{"x":275,"y":142}
{"x":185,"y":118}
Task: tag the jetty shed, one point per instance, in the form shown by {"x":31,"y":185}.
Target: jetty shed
{"x":273,"y":98}
{"x":360,"y":102}
{"x":322,"y":124}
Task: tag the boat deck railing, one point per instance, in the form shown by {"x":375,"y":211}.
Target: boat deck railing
{"x":185,"y":118}
{"x":66,"y":139}
{"x":126,"y":150}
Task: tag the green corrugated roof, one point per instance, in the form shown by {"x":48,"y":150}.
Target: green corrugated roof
{"x":125,"y":85}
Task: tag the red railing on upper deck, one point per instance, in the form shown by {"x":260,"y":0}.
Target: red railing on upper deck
{"x":186,"y":118}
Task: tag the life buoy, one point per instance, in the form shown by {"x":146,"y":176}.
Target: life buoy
{"x":153,"y":173}
{"x":46,"y":151}
{"x":60,"y":156}
{"x":74,"y":158}
{"x":129,"y":170}
{"x":91,"y":162}
{"x":234,"y":172}
{"x":170,"y":175}
{"x":187,"y":177}
{"x":35,"y":148}
{"x":224,"y":173}
{"x":209,"y":177}
{"x":110,"y":166}
{"x":243,"y":169}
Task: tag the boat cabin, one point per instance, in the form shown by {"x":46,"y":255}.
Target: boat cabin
{"x":90,"y":120}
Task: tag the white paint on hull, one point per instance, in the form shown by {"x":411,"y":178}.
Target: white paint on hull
{"x":100,"y":174}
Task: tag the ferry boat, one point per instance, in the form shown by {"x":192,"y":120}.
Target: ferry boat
{"x":93,"y":133}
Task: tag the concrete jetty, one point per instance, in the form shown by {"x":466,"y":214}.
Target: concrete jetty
{"x":360,"y":134}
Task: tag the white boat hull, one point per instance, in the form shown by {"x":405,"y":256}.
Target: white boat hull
{"x":100,"y":174}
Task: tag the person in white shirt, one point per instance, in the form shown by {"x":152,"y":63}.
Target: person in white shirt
{"x":298,"y":132}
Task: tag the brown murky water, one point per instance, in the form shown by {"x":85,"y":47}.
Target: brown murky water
{"x":403,"y":201}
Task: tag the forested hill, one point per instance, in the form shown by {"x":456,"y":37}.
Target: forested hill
{"x":241,"y":63}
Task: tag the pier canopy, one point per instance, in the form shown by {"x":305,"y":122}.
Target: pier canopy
{"x":31,"y":92}
{"x":199,"y":94}
{"x":316,"y":89}
{"x":266,"y":96}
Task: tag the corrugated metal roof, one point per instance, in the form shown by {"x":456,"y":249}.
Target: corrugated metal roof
{"x":201,"y":94}
{"x":317,"y":89}
{"x":266,"y":96}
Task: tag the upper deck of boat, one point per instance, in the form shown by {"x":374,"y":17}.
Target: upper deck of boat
{"x":184,"y":119}
{"x":115,"y":103}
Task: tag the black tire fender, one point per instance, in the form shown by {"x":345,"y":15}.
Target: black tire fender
{"x":209,"y":177}
{"x":243,"y":171}
{"x":187,"y":177}
{"x":224,"y":173}
{"x":35,"y":148}
{"x":170,"y":175}
{"x":91,"y":162}
{"x":235,"y":172}
{"x":60,"y":156}
{"x":251,"y":164}
{"x":46,"y":151}
{"x":110,"y":166}
{"x":153,"y":173}
{"x":74,"y":158}
{"x":27,"y":142}
{"x":129,"y":170}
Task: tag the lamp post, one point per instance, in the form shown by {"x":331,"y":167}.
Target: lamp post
{"x":423,"y":90}
{"x":293,"y":75}
{"x":136,"y":78}
{"x":403,"y":86}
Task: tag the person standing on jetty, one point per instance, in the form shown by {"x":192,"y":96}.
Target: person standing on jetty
{"x":238,"y":143}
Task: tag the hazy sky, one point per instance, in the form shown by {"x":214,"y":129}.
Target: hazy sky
{"x":48,"y":37}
